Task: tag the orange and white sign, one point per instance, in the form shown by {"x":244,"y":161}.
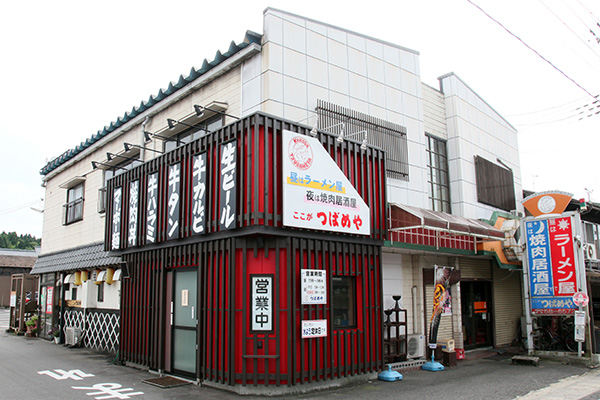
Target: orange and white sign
{"x":547,"y":203}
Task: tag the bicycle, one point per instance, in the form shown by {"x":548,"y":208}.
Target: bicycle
{"x":555,"y":334}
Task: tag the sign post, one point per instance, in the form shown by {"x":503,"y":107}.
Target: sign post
{"x":581,"y":300}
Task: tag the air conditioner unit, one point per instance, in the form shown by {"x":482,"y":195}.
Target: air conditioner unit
{"x":589,"y":251}
{"x":415,"y":346}
{"x":73,"y":336}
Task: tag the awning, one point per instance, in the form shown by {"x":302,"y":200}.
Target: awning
{"x":101,"y":276}
{"x":84,"y":257}
{"x":404,"y":217}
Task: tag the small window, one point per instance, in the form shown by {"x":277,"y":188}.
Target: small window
{"x":192,"y":134}
{"x":74,"y":293}
{"x":439,"y":184}
{"x":110,"y":173}
{"x":495,"y":185}
{"x":344,"y":302}
{"x":101,"y":292}
{"x":73,"y":210}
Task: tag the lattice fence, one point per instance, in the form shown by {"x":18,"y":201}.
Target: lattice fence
{"x":100,"y":327}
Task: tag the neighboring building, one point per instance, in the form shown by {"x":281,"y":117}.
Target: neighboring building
{"x":13,"y":261}
{"x":450,"y":161}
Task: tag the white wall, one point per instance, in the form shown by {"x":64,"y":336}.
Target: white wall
{"x":475,"y":128}
{"x":304,"y":60}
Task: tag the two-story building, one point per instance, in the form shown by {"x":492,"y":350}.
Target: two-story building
{"x":195,"y":185}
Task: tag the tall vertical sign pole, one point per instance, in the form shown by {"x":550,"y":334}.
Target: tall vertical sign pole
{"x":581,"y":280}
{"x":527,"y":294}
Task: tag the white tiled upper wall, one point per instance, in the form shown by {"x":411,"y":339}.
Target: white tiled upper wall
{"x":475,"y":129}
{"x":305,"y":60}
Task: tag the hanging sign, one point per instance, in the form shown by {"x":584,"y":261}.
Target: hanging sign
{"x":551,"y":265}
{"x":545,"y":203}
{"x":13,"y":298}
{"x":262,"y":303}
{"x":316,"y":193}
{"x":314,"y":328}
{"x":173,"y":206}
{"x":228,"y":194}
{"x":116,"y":219}
{"x":133,"y":212}
{"x":581,"y":299}
{"x":49,"y":299}
{"x":198,"y":193}
{"x":151,"y":218}
{"x":314,"y":286}
{"x":441,"y":296}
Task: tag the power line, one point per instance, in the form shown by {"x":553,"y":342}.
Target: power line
{"x":566,"y":105}
{"x":589,"y":11}
{"x":571,"y":30}
{"x":17,"y":208}
{"x":532,"y":49}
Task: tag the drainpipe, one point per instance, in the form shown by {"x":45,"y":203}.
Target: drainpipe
{"x":142,"y":142}
{"x":414,"y":307}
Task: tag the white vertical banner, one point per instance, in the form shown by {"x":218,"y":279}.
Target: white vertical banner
{"x":173,"y":204}
{"x":151,"y":207}
{"x":116,"y":219}
{"x":133,"y":212}
{"x":198,"y":193}
{"x":262,"y":303}
{"x":316,"y":193}
{"x":228,"y":189}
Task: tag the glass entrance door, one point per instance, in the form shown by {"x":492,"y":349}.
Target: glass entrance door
{"x":476,"y":302}
{"x":184,"y":308}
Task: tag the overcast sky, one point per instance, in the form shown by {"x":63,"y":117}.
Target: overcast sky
{"x":71,"y":67}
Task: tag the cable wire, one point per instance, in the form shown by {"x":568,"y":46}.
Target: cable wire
{"x":532,"y":49}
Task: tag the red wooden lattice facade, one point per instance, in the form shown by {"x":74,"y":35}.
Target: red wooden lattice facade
{"x":229,"y":352}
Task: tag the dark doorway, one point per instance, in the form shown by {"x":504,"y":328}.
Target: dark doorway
{"x":476,"y":300}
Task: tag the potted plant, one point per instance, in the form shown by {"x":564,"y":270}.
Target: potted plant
{"x":31,"y":325}
{"x":55,"y":333}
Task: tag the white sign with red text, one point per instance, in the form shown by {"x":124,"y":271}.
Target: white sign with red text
{"x":316,"y":193}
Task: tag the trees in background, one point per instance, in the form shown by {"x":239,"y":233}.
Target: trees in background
{"x":11,"y":240}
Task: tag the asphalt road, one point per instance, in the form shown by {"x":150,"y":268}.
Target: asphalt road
{"x":35,"y":368}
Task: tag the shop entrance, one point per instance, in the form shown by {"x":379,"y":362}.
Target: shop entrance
{"x":184,"y":317}
{"x":476,"y":300}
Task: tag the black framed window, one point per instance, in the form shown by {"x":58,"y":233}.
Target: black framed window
{"x":344,"y":302}
{"x":100,"y":297}
{"x":73,"y":209}
{"x":74,"y":293}
{"x":439,"y":182}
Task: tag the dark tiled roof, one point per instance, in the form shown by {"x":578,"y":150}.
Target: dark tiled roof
{"x":84,"y":257}
{"x":194,"y":74}
{"x":16,"y":261}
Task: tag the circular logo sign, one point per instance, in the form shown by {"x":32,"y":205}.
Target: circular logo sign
{"x":300,"y":153}
{"x":580,"y":299}
{"x":546,"y":204}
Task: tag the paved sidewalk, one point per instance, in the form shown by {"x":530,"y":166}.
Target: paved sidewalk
{"x":573,"y":387}
{"x":36,"y":368}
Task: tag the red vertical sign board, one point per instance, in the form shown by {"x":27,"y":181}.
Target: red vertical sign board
{"x":563,"y":257}
{"x":49,"y":297}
